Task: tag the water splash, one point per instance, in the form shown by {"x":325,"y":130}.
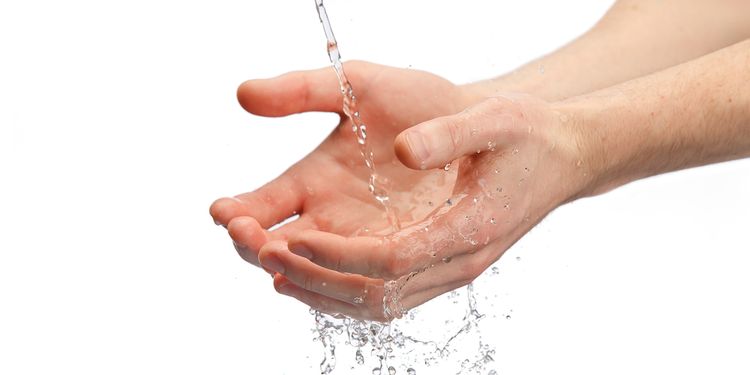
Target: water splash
{"x":389,"y":349}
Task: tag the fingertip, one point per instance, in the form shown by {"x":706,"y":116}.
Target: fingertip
{"x":266,"y":97}
{"x":281,"y":283}
{"x":405,"y":154}
{"x":223,"y":210}
{"x":271,"y":249}
{"x":247,"y":231}
{"x":244,"y":95}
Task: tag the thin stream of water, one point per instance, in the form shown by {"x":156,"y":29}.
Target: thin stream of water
{"x":358,"y":126}
{"x":389,"y":346}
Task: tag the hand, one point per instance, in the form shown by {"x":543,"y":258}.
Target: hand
{"x":518,"y":159}
{"x":328,"y":188}
{"x":457,"y":223}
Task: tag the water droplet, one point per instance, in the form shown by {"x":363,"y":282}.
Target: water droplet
{"x":497,"y":171}
{"x":323,"y":284}
{"x":430,"y":203}
{"x":391,"y":371}
{"x":518,"y":259}
{"x":359,"y":357}
{"x":492,"y":220}
{"x":506,"y":206}
{"x":499,"y":189}
{"x":507,"y":317}
{"x":474,"y":132}
{"x":449,"y":202}
{"x":526,"y":170}
{"x":515,"y":151}
{"x":412,"y":371}
{"x":495,"y":270}
{"x":359,"y":300}
{"x":491,"y":145}
{"x":476,"y":200}
{"x":447,"y":167}
{"x":493,"y":372}
{"x":579,"y":163}
{"x":376,"y":371}
{"x":447,"y":259}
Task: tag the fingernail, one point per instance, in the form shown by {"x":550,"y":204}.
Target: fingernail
{"x":417,"y":145}
{"x":301,"y":251}
{"x":283,"y":287}
{"x":273,"y":263}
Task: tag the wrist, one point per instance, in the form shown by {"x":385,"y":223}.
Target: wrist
{"x":599,"y":152}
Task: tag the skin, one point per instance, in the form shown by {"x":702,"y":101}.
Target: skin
{"x":543,"y":152}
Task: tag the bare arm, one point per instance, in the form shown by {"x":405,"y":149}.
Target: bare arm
{"x":693,"y":114}
{"x":634,"y":38}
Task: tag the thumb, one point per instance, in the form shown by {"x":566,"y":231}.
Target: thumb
{"x":295,"y":92}
{"x":437,"y":142}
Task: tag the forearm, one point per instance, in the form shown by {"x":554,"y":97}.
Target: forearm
{"x":634,"y":38}
{"x":689,"y":115}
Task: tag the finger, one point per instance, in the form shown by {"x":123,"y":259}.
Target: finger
{"x":325,"y":304}
{"x":369,"y":256}
{"x":447,"y":276}
{"x":295,"y":92}
{"x":248,"y":238}
{"x":463,"y":228}
{"x":348,"y":288}
{"x":269,"y":205}
{"x":283,"y":232}
{"x":435,"y":143}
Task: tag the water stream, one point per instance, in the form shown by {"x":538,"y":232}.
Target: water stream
{"x":383,"y":347}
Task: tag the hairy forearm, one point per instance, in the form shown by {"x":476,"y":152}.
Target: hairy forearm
{"x":689,"y":115}
{"x":634,"y":38}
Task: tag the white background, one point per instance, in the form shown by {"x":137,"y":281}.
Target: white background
{"x":119,"y":126}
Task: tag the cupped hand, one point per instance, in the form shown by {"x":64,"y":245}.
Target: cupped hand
{"x":512,"y":160}
{"x":328,"y":189}
{"x":517,"y":157}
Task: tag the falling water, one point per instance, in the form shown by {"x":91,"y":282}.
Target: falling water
{"x":359,"y":128}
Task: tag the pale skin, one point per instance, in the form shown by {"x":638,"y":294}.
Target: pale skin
{"x":654,"y":87}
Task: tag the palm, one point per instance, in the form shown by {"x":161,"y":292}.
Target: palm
{"x":329,"y":187}
{"x":335,"y":175}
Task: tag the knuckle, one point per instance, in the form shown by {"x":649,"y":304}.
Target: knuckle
{"x":455,"y":132}
{"x":396,"y":265}
{"x":308,"y":282}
